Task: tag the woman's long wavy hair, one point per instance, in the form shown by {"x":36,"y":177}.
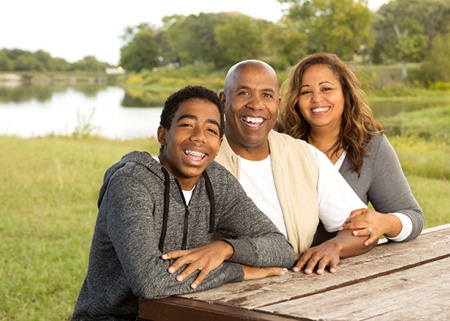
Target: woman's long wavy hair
{"x":358,"y":123}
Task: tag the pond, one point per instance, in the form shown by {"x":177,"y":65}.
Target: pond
{"x":30,"y":112}
{"x":107,"y":111}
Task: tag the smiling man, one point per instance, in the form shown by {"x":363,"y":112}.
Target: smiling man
{"x":292,"y":182}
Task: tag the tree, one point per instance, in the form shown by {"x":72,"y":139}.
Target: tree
{"x":45,"y":58}
{"x":6,"y":64}
{"x":238,"y":40}
{"x":89,"y":63}
{"x":60,"y":64}
{"x":192,"y":39}
{"x":405,"y":29}
{"x":28,"y":62}
{"x":141,"y":52}
{"x":338,"y":26}
{"x":285,"y":43}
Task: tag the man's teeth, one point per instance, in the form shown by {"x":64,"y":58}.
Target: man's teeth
{"x":320,"y":109}
{"x":194,"y":153}
{"x":254,"y":120}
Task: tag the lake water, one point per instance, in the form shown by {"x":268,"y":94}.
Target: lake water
{"x":44,"y":110}
{"x":61,"y":111}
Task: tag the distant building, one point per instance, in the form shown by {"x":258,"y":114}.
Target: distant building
{"x":115,"y":71}
{"x":10,"y":77}
{"x":10,"y":80}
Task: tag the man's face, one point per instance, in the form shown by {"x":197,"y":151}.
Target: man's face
{"x":251,"y":105}
{"x":192,"y":142}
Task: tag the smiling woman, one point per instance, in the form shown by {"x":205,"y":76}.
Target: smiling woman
{"x":326,"y":107}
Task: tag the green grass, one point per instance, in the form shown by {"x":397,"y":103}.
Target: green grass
{"x":48,"y":209}
{"x":48,"y":195}
{"x":434,"y":197}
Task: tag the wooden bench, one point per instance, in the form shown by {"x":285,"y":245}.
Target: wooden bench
{"x":394,"y":281}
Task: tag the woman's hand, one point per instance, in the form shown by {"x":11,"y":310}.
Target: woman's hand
{"x":205,"y":259}
{"x":371,"y":224}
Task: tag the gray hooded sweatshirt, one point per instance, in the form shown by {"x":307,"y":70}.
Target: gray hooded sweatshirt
{"x":142,"y":214}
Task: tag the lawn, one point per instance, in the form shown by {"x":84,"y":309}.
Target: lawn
{"x":48,"y":208}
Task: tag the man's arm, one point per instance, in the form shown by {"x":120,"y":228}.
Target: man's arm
{"x":336,"y":201}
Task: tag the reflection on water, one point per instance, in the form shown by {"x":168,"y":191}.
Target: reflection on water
{"x":144,"y":98}
{"x":43,"y":110}
{"x":43,"y":92}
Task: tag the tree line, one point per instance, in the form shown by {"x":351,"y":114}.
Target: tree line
{"x":400,"y":31}
{"x":41,"y":61}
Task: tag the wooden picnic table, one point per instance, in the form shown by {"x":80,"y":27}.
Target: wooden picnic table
{"x":394,"y":281}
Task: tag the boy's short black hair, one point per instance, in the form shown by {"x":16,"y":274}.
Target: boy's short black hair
{"x":174,"y":101}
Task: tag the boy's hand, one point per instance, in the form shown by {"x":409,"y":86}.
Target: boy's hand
{"x":205,"y":259}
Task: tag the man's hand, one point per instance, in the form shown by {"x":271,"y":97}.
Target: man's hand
{"x":205,"y":259}
{"x":329,"y":253}
{"x":321,"y":256}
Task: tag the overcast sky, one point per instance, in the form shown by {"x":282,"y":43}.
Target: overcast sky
{"x":75,"y":29}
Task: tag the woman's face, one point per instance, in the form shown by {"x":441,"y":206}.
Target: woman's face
{"x":321,"y":99}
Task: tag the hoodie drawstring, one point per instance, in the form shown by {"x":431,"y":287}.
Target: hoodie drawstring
{"x":166,"y":208}
{"x":212,"y":202}
{"x":212,"y":205}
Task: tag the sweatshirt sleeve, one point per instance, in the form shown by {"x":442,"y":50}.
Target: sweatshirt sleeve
{"x":255,"y":239}
{"x":131,"y":229}
{"x":390,"y":191}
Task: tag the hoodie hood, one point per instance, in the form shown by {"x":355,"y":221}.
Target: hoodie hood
{"x":142,"y":158}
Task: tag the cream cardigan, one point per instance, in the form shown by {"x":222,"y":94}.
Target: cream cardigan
{"x":296,"y":177}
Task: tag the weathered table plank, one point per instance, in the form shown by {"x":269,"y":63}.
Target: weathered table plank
{"x":419,"y":293}
{"x":383,"y":259}
{"x":395,"y":281}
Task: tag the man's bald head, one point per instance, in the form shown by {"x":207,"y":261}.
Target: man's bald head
{"x":234,"y":72}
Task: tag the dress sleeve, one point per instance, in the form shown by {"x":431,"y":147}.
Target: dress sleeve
{"x":390,"y":191}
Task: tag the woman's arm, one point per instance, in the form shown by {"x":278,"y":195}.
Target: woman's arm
{"x":397,"y":214}
{"x":390,"y":191}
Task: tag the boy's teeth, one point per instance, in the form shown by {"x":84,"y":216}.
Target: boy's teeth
{"x":193,"y":153}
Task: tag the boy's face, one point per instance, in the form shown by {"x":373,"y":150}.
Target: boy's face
{"x":192,"y":142}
